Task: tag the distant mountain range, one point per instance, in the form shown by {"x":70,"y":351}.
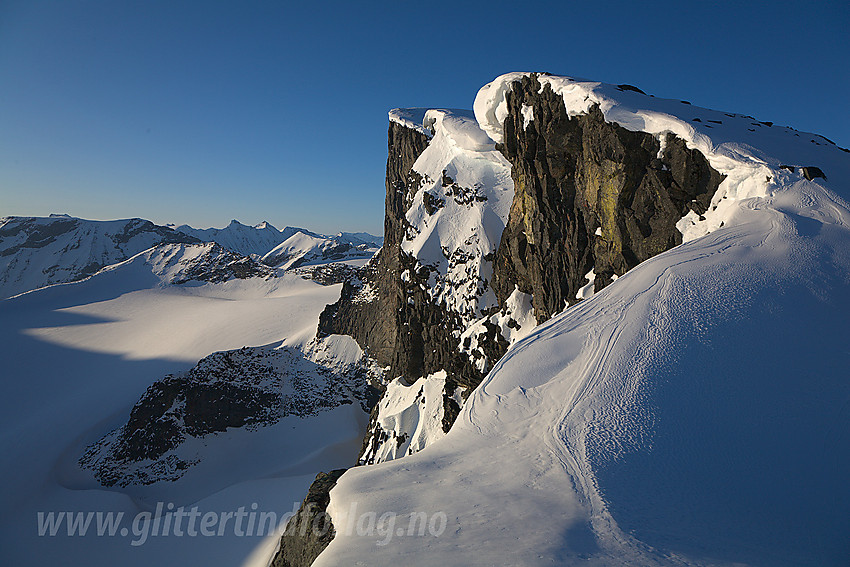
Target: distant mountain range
{"x":40,"y":251}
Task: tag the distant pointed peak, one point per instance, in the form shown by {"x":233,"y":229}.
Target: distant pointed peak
{"x":236,"y":222}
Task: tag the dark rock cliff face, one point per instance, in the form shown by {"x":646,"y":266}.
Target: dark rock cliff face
{"x":589,"y":194}
{"x":310,"y":531}
{"x":375,"y":321}
{"x":395,"y":321}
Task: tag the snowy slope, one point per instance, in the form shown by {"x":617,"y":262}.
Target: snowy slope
{"x":694,"y":412}
{"x":39,"y":251}
{"x":304,"y":248}
{"x":77,"y":357}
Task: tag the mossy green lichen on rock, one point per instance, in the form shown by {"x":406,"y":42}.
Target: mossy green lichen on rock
{"x":589,"y":195}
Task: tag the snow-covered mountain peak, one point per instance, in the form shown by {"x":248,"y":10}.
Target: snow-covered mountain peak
{"x":689,"y":410}
{"x":305,"y":247}
{"x":241,"y":238}
{"x":206,"y":262}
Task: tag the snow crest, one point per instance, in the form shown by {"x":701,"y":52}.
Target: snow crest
{"x":748,"y":152}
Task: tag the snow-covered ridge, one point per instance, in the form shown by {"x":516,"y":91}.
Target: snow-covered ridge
{"x":207,"y":262}
{"x":245,"y":240}
{"x":304,"y":248}
{"x":748,"y":152}
{"x":413,"y":118}
{"x":40,"y":251}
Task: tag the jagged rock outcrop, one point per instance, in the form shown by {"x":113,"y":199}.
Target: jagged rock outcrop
{"x":390,"y":308}
{"x":249,"y":387}
{"x":327,"y":274}
{"x":590,"y":201}
{"x":208,"y":262}
{"x":409,"y":307}
{"x":590,"y":196}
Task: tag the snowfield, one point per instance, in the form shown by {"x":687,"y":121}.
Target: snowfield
{"x":77,"y":356}
{"x":694,"y":412}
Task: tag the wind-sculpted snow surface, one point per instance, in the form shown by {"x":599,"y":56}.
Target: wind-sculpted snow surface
{"x":693,"y":412}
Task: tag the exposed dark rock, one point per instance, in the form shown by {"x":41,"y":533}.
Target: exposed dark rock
{"x":310,"y":531}
{"x":238,"y":388}
{"x":219,"y":264}
{"x":810,"y":172}
{"x":432,"y":203}
{"x":327,"y":274}
{"x":369,"y":307}
{"x":630,"y":88}
{"x":573,"y":176}
{"x":451,"y":409}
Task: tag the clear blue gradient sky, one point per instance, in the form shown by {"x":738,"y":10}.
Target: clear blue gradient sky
{"x":200,"y":112}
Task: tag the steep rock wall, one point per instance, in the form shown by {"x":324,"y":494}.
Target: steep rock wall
{"x":310,"y":531}
{"x":589,"y":195}
{"x":393,"y":317}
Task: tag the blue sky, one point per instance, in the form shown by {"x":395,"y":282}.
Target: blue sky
{"x":201,"y":112}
